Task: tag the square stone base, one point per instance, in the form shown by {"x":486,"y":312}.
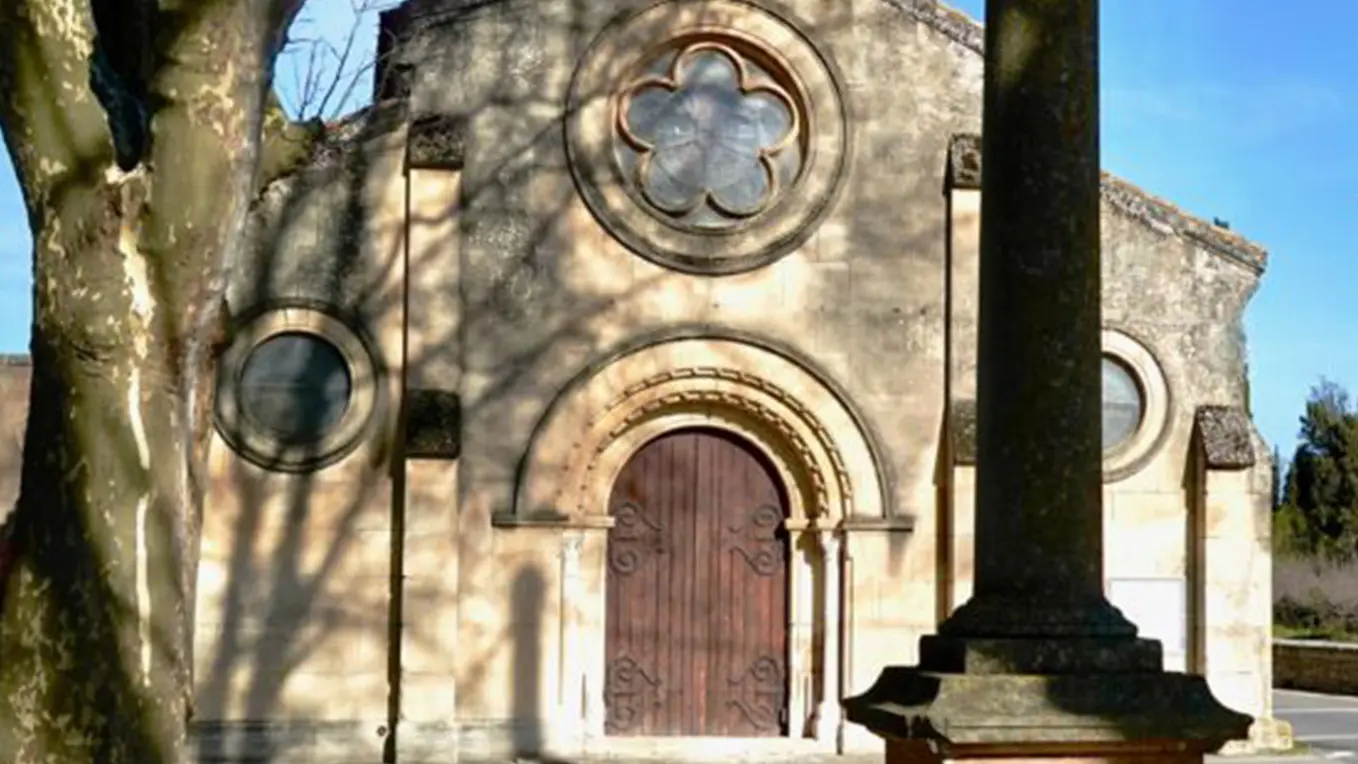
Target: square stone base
{"x":1139,"y":752}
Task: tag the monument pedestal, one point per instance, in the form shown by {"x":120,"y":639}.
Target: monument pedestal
{"x":919,"y":752}
{"x":1052,"y":700}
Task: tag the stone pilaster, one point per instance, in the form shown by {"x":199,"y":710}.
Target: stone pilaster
{"x":829,"y":714}
{"x":571,"y":681}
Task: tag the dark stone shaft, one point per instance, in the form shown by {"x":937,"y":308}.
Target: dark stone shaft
{"x":1039,"y":483}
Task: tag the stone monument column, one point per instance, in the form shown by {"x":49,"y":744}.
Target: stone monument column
{"x":1038,"y":664}
{"x":1039,"y":454}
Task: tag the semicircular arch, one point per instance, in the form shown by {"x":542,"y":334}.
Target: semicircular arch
{"x":802,"y":426}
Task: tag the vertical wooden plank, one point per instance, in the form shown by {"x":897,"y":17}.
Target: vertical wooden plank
{"x":669,"y":488}
{"x":658,"y":469}
{"x":696,"y":671}
{"x":734,"y":610}
{"x":663,"y":481}
{"x":718,"y":611}
{"x":642,"y":642}
{"x":673,"y":633}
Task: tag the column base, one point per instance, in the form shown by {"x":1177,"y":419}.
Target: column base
{"x":1267,"y":735}
{"x":1044,"y":655}
{"x":998,"y":616}
{"x":829,"y":726}
{"x":1031,"y":696}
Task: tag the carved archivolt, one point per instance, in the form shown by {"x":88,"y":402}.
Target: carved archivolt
{"x":734,"y":400}
{"x":801,"y":427}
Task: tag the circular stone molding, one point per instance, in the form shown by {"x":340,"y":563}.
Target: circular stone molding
{"x":1133,"y":453}
{"x":265,"y":448}
{"x":656,"y":49}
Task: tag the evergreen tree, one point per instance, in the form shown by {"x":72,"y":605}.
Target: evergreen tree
{"x":1275,"y":484}
{"x":1318,"y":511}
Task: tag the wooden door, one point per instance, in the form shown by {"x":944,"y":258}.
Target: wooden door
{"x":697,"y":591}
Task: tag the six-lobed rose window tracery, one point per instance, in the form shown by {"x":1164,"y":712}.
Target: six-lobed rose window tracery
{"x":709,"y":137}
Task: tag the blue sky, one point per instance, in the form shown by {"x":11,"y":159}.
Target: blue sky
{"x":1241,"y":110}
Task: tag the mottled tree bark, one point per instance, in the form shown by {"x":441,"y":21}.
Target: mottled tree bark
{"x":135,"y":129}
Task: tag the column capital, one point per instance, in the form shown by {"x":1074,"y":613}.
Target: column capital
{"x":571,"y":541}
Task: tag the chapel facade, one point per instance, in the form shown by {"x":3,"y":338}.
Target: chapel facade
{"x":608,"y":387}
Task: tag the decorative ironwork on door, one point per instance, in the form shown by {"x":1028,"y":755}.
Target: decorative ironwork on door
{"x":759,"y":695}
{"x":697,"y":591}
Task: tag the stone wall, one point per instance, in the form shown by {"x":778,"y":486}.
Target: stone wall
{"x":507,"y":318}
{"x":1186,"y":528}
{"x":294,"y":619}
{"x":554,"y":291}
{"x":14,"y":380}
{"x":550,"y":295}
{"x":14,"y":383}
{"x":1330,"y":667}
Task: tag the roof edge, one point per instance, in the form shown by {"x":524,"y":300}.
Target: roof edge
{"x":946,"y":20}
{"x":964,"y":172}
{"x":1225,"y":435}
{"x":963,"y":166}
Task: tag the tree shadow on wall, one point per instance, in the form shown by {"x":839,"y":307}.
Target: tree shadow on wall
{"x":525,"y":679}
{"x":291,"y":594}
{"x":528,"y":602}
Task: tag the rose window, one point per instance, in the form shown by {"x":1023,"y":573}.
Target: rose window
{"x":709,"y":137}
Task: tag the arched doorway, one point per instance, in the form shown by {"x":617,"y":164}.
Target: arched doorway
{"x":697,"y":610}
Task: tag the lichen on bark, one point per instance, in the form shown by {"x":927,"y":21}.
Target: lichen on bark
{"x":132,"y":238}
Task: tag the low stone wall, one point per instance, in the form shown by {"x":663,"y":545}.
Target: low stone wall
{"x":1330,"y":667}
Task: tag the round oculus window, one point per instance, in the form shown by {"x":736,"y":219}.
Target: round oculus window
{"x":1124,"y":404}
{"x":296,"y":390}
{"x":707,"y":136}
{"x":297,"y":386}
{"x":1136,"y":405}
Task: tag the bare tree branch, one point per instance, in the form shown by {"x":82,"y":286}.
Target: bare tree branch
{"x":326,"y":74}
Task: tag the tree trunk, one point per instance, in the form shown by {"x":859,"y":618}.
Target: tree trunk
{"x":137,"y":151}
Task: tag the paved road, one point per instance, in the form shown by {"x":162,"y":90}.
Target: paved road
{"x":1327,"y":723}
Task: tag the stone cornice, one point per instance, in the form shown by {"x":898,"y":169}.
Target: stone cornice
{"x":404,"y":22}
{"x":964,"y":173}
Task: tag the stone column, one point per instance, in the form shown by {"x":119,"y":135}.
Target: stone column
{"x":1039,"y":468}
{"x":570,"y":681}
{"x":1038,"y":664}
{"x":829,"y":714}
{"x":802,"y":617}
